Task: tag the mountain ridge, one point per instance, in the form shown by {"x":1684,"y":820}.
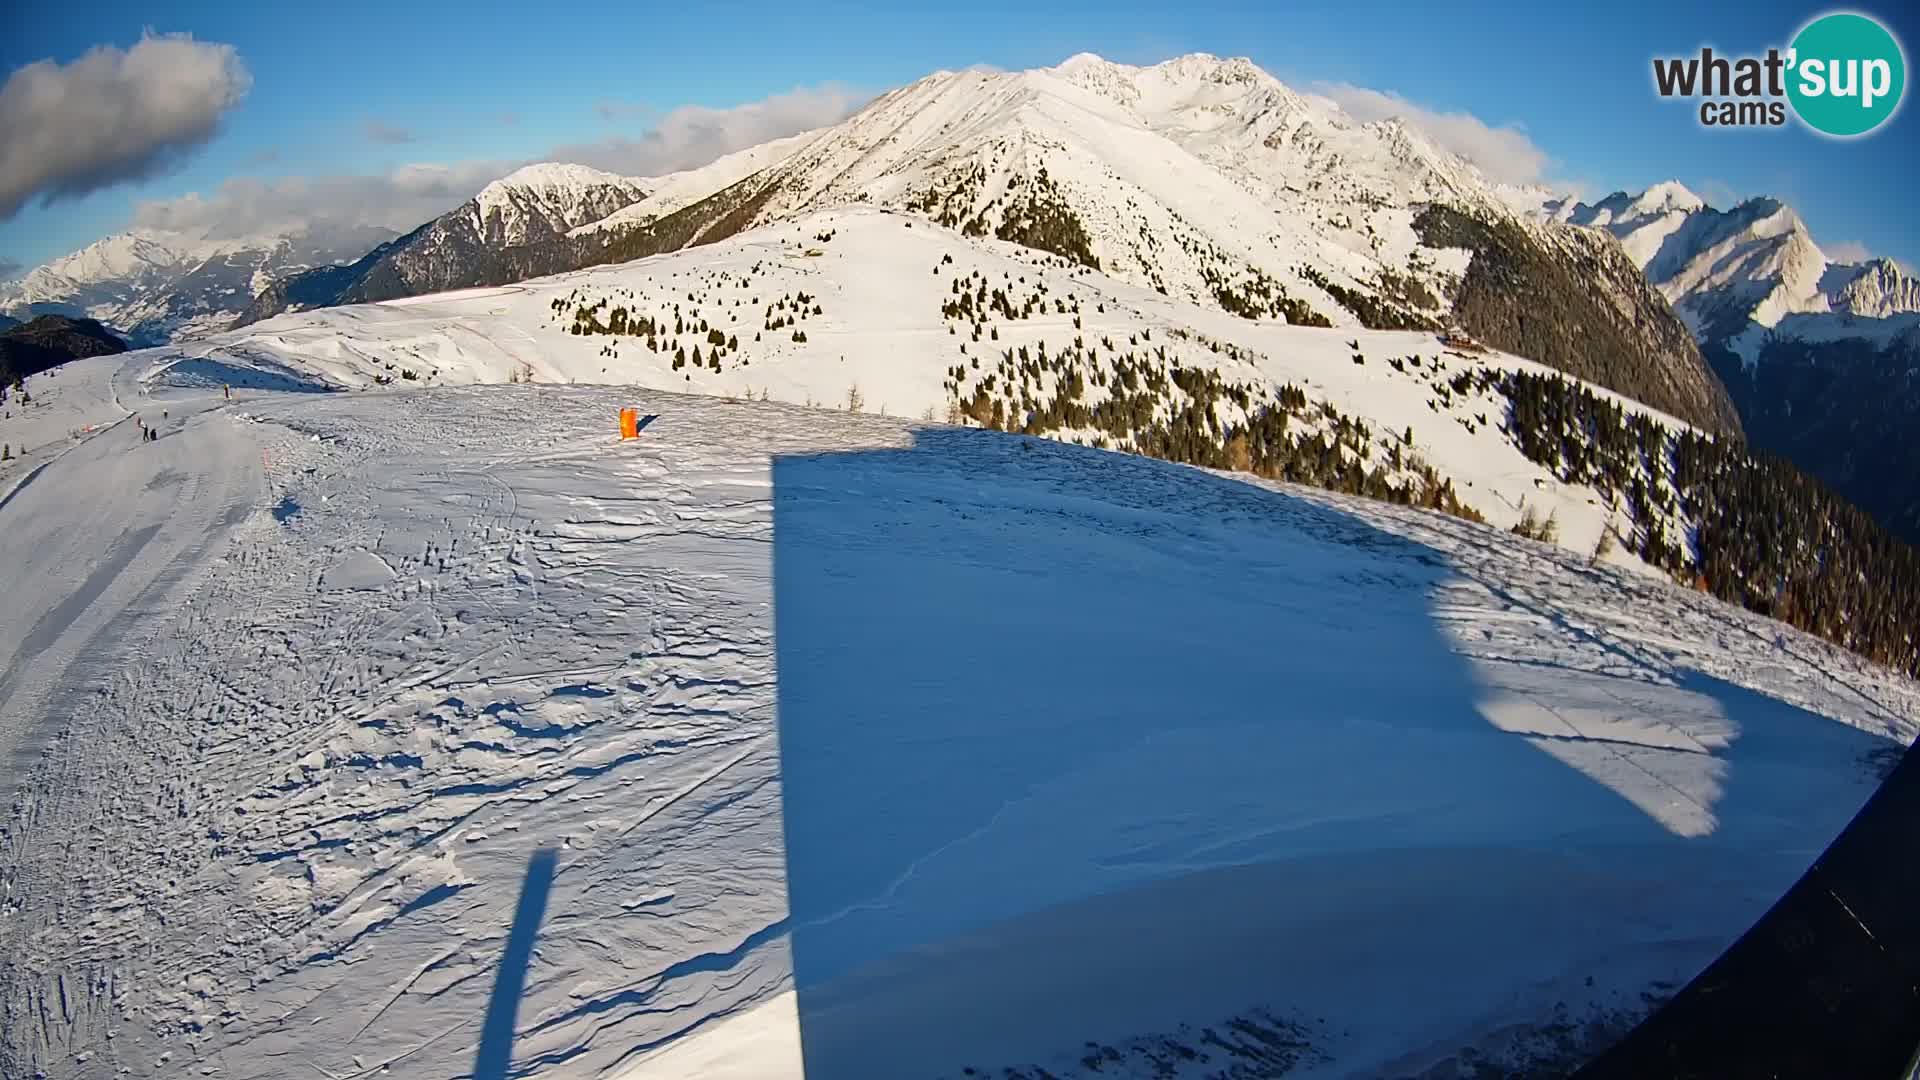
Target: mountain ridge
{"x":874,"y":309}
{"x":1820,"y":355}
{"x":1202,"y":178}
{"x":47,"y":341}
{"x":1751,"y":266}
{"x":155,"y":285}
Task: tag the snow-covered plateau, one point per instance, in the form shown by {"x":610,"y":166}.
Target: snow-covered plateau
{"x":859,"y":745}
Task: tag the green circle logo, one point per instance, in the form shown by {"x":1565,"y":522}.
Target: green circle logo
{"x":1847,"y":74}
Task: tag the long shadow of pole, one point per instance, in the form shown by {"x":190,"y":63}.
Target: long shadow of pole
{"x":496,"y":1038}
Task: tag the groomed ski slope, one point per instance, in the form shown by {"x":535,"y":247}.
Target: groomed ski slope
{"x":84,"y":565}
{"x":864,"y":747}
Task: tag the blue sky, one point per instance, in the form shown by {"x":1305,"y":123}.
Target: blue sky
{"x":352,"y":88}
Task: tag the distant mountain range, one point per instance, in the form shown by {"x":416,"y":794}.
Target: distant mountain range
{"x":1204,"y":179}
{"x":483,"y":241}
{"x":153,"y":286}
{"x":1822,"y":357}
{"x":1736,"y":274}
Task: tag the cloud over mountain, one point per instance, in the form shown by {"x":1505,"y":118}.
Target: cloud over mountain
{"x":397,"y":200}
{"x":683,"y":138}
{"x":693,"y":135}
{"x":1504,"y":154}
{"x":112,"y":115}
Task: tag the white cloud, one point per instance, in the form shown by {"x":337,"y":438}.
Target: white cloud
{"x":1853,"y":251}
{"x":1504,"y":154}
{"x":415,"y":194}
{"x":1847,"y":251}
{"x":1718,"y":193}
{"x":112,"y":116}
{"x":248,"y":206}
{"x":693,"y":135}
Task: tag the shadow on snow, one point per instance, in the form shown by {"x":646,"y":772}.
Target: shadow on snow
{"x":495,"y":1055}
{"x":1078,"y":746}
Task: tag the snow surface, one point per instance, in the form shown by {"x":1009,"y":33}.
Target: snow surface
{"x":865,"y":746}
{"x":881,"y":330}
{"x":65,"y":405}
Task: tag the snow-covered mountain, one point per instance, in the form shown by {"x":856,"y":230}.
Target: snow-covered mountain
{"x":1822,"y":357}
{"x":495,"y":236}
{"x":1262,"y":776}
{"x":670,"y":192}
{"x":1190,"y":174}
{"x":918,"y":320}
{"x":153,"y":285}
{"x":1204,"y":179}
{"x":1738,"y":273}
{"x":540,"y":201}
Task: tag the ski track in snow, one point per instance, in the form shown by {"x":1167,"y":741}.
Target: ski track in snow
{"x":268,"y":826}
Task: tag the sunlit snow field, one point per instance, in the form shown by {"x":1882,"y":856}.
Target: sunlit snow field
{"x":861,"y":747}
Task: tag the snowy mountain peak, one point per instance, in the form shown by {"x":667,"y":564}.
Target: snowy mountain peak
{"x":1766,"y":216}
{"x":549,"y":198}
{"x":1623,"y":213}
{"x":1210,"y":68}
{"x":1195,"y":66}
{"x":1083,"y":62}
{"x":1198,"y":176}
{"x":1877,"y":289}
{"x":1756,"y":263}
{"x":1196,"y":82}
{"x":555,"y":176}
{"x":1671,"y":195}
{"x":151,"y":285}
{"x":121,"y":255}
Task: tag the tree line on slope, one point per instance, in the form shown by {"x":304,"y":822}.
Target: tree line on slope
{"x":1763,"y":534}
{"x":1036,"y":215}
{"x":49,"y":341}
{"x":1745,"y":526}
{"x":1842,"y":410}
{"x":1572,"y":299}
{"x":1157,"y":406}
{"x":585,"y":313}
